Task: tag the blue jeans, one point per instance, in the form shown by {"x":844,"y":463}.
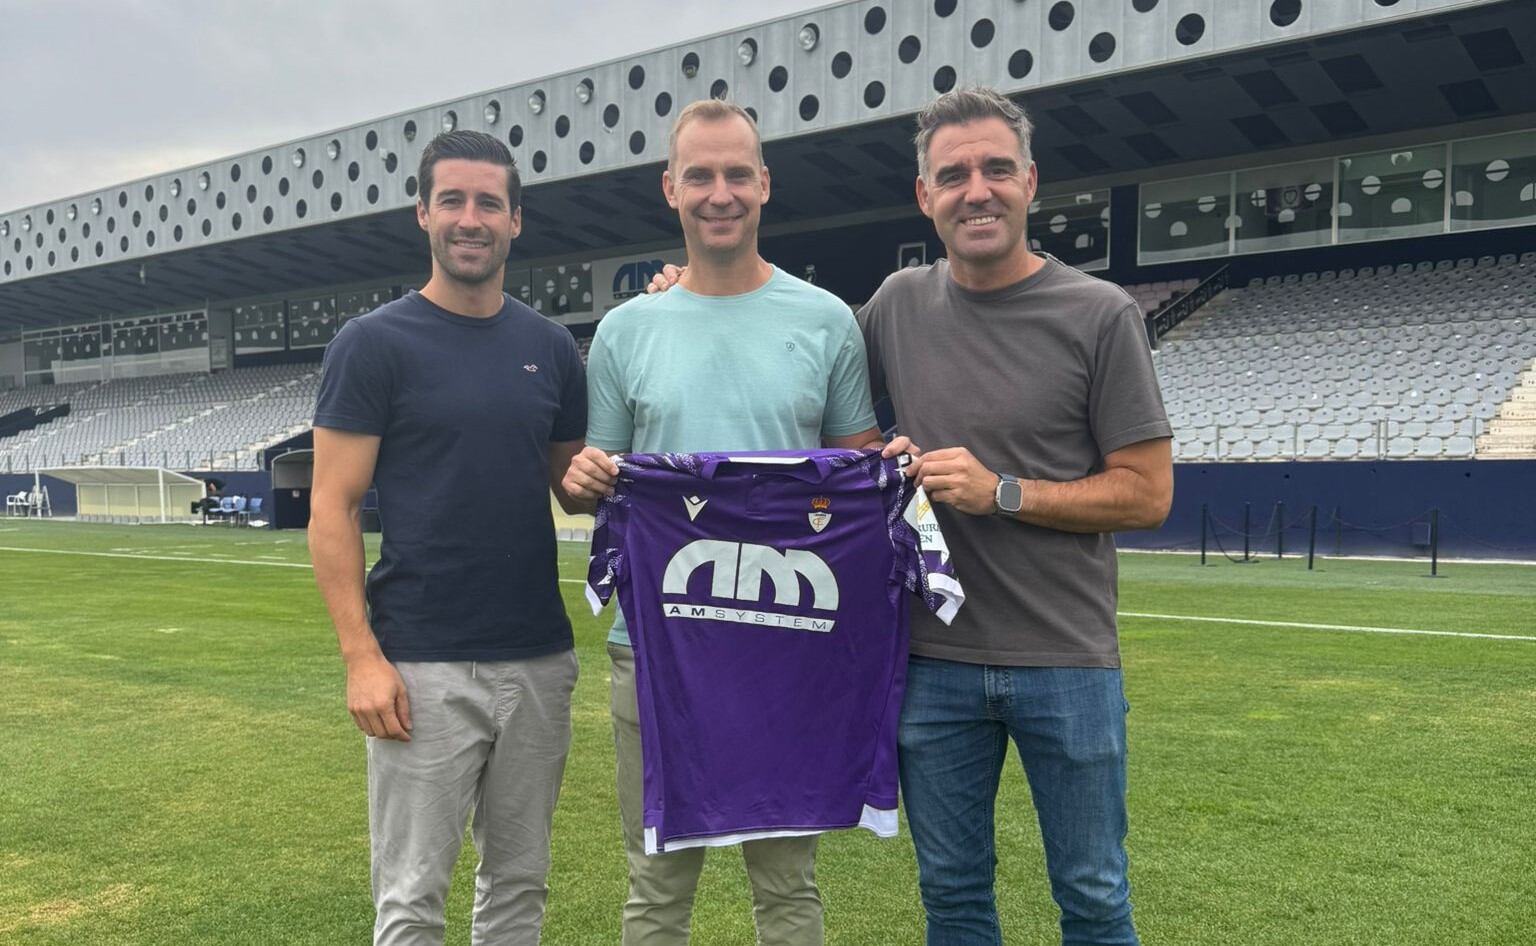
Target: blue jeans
{"x":1069,"y":726}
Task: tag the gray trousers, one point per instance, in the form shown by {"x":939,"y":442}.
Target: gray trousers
{"x":786,"y":906}
{"x":488,"y":738}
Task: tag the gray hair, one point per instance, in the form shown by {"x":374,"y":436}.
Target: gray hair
{"x":959,"y":106}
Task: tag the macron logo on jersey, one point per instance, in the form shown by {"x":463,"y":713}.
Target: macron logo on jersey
{"x":737,"y":570}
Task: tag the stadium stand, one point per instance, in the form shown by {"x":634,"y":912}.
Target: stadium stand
{"x":1152,"y":296}
{"x":184,"y":421}
{"x":1393,"y":362}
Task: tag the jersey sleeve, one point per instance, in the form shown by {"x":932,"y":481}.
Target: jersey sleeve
{"x":930,"y":571}
{"x":355,"y":388}
{"x":605,"y":569}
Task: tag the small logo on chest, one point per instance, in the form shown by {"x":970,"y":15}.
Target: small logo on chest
{"x":819,"y":516}
{"x":531,"y":369}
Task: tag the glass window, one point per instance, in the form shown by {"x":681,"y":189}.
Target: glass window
{"x":1392,"y":194}
{"x":1187,"y":219}
{"x":311,"y":322}
{"x":1493,"y":181}
{"x":258,"y":327}
{"x":1074,"y":228}
{"x":1280,"y":208}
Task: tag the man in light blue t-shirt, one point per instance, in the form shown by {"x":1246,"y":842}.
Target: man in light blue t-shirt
{"x":739,"y":356}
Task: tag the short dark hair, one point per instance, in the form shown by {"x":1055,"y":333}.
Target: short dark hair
{"x":960,"y":106}
{"x":469,"y":146}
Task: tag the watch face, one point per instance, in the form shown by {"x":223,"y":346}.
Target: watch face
{"x":1010,"y":496}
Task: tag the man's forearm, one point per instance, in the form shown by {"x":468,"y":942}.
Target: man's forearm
{"x":336,"y":548}
{"x":1112,"y":501}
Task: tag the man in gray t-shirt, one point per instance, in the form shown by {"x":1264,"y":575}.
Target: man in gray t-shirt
{"x":1043,"y":378}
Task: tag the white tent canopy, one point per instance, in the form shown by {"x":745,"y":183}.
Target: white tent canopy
{"x":130,"y":493}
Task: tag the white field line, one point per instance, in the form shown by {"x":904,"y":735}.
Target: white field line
{"x":1355,"y":628}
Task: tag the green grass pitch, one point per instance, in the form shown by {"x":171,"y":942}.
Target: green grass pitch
{"x":177,"y":766}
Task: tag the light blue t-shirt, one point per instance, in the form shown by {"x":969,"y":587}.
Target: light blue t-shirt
{"x":777,"y":368}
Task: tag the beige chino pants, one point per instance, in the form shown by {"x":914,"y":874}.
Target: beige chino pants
{"x":786,"y":906}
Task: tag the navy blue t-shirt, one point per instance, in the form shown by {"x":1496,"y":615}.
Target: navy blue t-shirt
{"x":466,"y":409}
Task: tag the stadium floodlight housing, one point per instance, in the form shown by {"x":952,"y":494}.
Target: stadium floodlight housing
{"x":26,"y":223}
{"x":536,"y":103}
{"x":203,"y":180}
{"x":584,"y":91}
{"x":333,"y":149}
{"x":72,"y":212}
{"x":450,"y":121}
{"x":492,"y":113}
{"x":5,"y":228}
{"x":298,"y":157}
{"x":747,"y":51}
{"x":96,"y":205}
{"x":810,"y":35}
{"x":176,"y":187}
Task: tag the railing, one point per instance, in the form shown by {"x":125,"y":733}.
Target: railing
{"x":1162,"y":321}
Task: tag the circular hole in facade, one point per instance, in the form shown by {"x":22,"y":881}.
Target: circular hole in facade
{"x":636,"y":77}
{"x":450,"y":121}
{"x":391,"y":163}
{"x":176,"y":233}
{"x":191,"y":207}
{"x":353,"y":171}
{"x":234,"y":172}
{"x":562,"y":126}
{"x":53,"y":258}
{"x":96,"y":206}
{"x":809,"y":106}
{"x":1284,"y":12}
{"x":122,"y":198}
{"x":663,"y":103}
{"x":235,"y":221}
{"x":100,"y":249}
{"x":1061,"y":16}
{"x":637,"y":142}
{"x":250,"y":194}
{"x":515,"y":135}
{"x":317,"y":179}
{"x":1189,"y":29}
{"x":842,"y":64}
{"x":266,"y":215}
{"x":149,"y":194}
{"x":751,"y":113}
{"x":74,"y":254}
{"x":540,"y":161}
{"x":982,"y":32}
{"x":207,"y":228}
{"x":690,"y":65}
{"x":409,"y":130}
{"x":333,"y":148}
{"x":1101,"y":47}
{"x":165,"y":212}
{"x":586,"y":152}
{"x":610,"y":115}
{"x":874,"y":95}
{"x":335,"y":202}
{"x":874,"y":20}
{"x":219,"y":200}
{"x":122,"y":244}
{"x":300,"y":209}
{"x":718,"y":89}
{"x":266,"y":164}
{"x":85,"y":230}
{"x":1021,"y":63}
{"x":111,"y":228}
{"x":29,"y":259}
{"x":943,"y":8}
{"x":137,"y":218}
{"x":282,"y":186}
{"x":204,"y":181}
{"x":909,"y":49}
{"x":492,"y":112}
{"x":49,"y":215}
{"x":410,"y":186}
{"x":1386,"y":3}
{"x":149,"y":238}
{"x":64,"y":235}
{"x":944,"y":79}
{"x":778,"y":78}
{"x":373,"y":193}
{"x":1143,"y":6}
{"x":176,"y":187}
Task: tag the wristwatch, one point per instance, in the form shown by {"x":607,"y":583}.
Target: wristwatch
{"x":1009,"y":498}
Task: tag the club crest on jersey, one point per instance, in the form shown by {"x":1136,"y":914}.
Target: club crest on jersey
{"x":819,"y":516}
{"x":694,"y":505}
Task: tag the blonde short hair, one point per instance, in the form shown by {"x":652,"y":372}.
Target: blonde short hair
{"x":711,"y":110}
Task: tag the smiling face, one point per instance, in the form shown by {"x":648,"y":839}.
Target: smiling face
{"x":718,"y":185}
{"x":977,"y":192}
{"x":468,"y":220}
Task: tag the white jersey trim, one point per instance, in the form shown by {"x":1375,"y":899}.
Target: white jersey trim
{"x":881,"y":821}
{"x":946,"y":587}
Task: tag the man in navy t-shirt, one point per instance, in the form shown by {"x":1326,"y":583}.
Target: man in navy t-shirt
{"x":463,"y":407}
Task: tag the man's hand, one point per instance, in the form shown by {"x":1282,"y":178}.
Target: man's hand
{"x":897,"y":447}
{"x":955,"y":477}
{"x":591,"y":476}
{"x":666,"y":279}
{"x":376,"y":698}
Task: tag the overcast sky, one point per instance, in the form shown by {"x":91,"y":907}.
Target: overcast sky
{"x":98,"y":92}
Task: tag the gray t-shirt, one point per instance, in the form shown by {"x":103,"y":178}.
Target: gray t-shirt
{"x":1040,"y":379}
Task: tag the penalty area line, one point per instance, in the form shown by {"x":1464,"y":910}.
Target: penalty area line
{"x":1351,"y":628}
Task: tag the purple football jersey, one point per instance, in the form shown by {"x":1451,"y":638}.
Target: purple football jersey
{"x":765,"y":595}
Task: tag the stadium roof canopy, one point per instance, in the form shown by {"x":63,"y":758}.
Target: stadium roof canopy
{"x":1120,"y":91}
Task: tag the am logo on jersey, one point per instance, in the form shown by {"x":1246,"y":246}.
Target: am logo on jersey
{"x":737,"y":570}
